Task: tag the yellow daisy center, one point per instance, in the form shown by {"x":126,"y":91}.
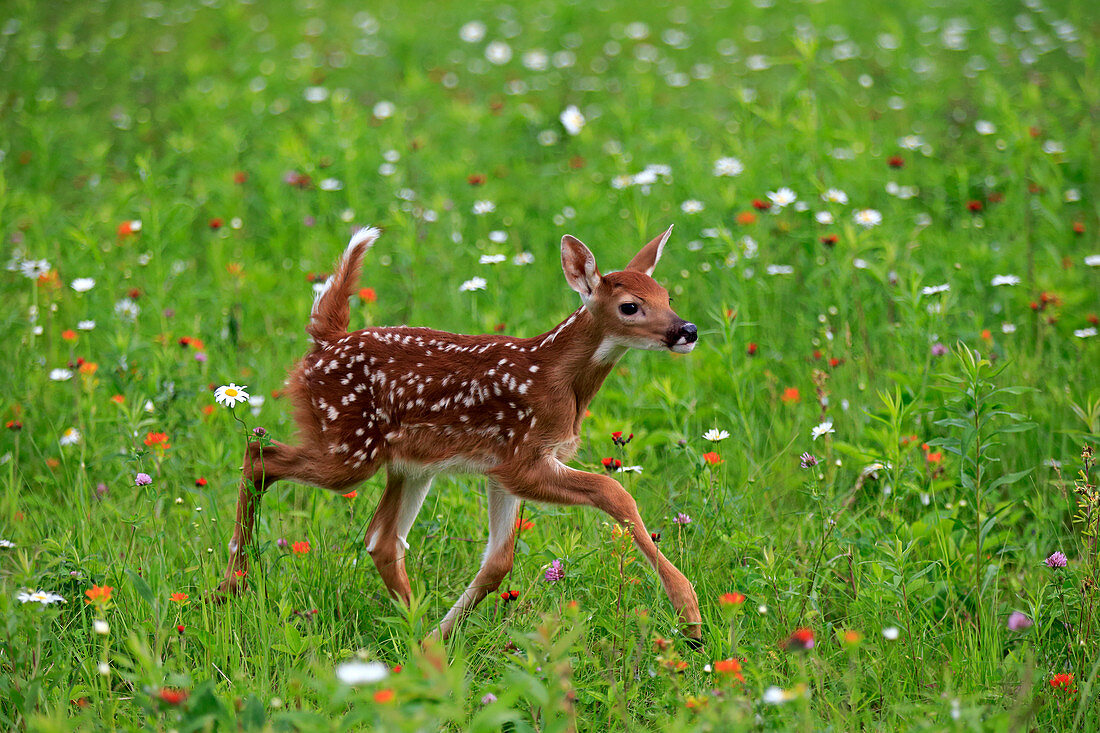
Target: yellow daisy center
{"x":231,"y":392}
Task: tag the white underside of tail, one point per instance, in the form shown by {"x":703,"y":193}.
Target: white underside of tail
{"x":366,"y":237}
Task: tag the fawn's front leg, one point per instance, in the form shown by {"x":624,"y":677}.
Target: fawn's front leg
{"x":551,"y":481}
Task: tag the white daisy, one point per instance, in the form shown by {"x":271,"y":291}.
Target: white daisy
{"x":61,"y":375}
{"x":474,"y":283}
{"x":523,"y":258}
{"x":572,"y":120}
{"x":1084,"y":333}
{"x":1008,"y":327}
{"x":783,"y":197}
{"x":891,"y":633}
{"x":315,"y":95}
{"x":362,"y":673}
{"x":71,"y":436}
{"x":85,"y":325}
{"x":127,"y":309}
{"x":230,"y":395}
{"x":492,"y":259}
{"x":1093,"y":260}
{"x":82,"y":284}
{"x":692,"y":206}
{"x":484,"y":207}
{"x":999,"y":280}
{"x":101,"y":627}
{"x":39,"y":596}
{"x":822,"y":429}
{"x":330,"y":184}
{"x":6,"y":544}
{"x":34,"y":269}
{"x":935,"y":289}
{"x":823,"y":217}
{"x":867,"y":218}
{"x":498,"y":236}
{"x":779,"y":270}
{"x":498,"y":52}
{"x":728,"y":167}
{"x":714,"y":435}
{"x":835,"y":196}
{"x":472,"y":32}
{"x":985,"y":127}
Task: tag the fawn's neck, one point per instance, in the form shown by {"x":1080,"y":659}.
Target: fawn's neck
{"x":579,"y":357}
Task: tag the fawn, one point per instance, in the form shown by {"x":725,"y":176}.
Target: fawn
{"x":423,"y":402}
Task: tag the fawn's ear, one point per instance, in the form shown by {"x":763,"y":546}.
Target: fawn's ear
{"x":647,"y":257}
{"x":579,"y":266}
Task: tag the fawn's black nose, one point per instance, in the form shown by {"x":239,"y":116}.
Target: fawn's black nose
{"x":689,"y":333}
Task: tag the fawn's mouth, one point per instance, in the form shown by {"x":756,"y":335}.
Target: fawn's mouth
{"x":682,"y":346}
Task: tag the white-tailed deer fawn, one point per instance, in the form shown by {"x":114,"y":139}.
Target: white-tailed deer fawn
{"x":423,"y":402}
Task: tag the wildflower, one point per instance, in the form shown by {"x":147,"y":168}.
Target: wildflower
{"x":890,"y":633}
{"x":984,"y":127}
{"x":612,"y":464}
{"x":731,"y":667}
{"x":1018,"y":622}
{"x":101,"y":627}
{"x":180,"y":598}
{"x":39,"y":596}
{"x":791,"y":395}
{"x":488,"y":698}
{"x":127,"y":228}
{"x":99,"y":595}
{"x":777,"y":695}
{"x":733,"y":599}
{"x":692,"y":206}
{"x":361,"y":673}
{"x":1062,"y":681}
{"x":555,"y":572}
{"x":522,"y":525}
{"x":523,"y":258}
{"x":681,"y":518}
{"x":157,"y":440}
{"x":492,"y":259}
{"x":6,"y":544}
{"x":143,"y":479}
{"x":807,"y":460}
{"x":350,"y":495}
{"x":230,"y":395}
{"x":82,"y":284}
{"x":1092,"y":260}
{"x":935,"y":289}
{"x":728,"y":167}
{"x":85,"y":326}
{"x":823,"y":217}
{"x":712,"y":458}
{"x":572,"y":120}
{"x":498,"y":52}
{"x":618,"y":439}
{"x":851,"y":638}
{"x":656,"y":537}
{"x":61,"y":375}
{"x":1000,"y":280}
{"x":1057,"y":559}
{"x":896,"y":161}
{"x":760,"y":205}
{"x":746,"y":217}
{"x":800,"y":640}
{"x":714,"y":435}
{"x":127,"y":309}
{"x":867,"y":218}
{"x":823,"y":428}
{"x":938,"y":349}
{"x":974,"y":206}
{"x":300,"y":548}
{"x":173,"y":696}
{"x":281,"y":543}
{"x":475,"y":283}
{"x":783,"y":197}
{"x":751,"y":349}
{"x":179,"y":628}
{"x":1084,"y":333}
{"x":509,"y":595}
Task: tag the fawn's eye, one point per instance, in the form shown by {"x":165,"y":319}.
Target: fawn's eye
{"x":628,"y":309}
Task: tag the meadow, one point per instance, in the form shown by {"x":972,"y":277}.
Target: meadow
{"x":876,"y":467}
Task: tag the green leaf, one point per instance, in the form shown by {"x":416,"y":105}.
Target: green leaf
{"x":1009,"y":478}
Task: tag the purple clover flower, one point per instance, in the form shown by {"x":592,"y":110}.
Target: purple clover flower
{"x":1056,"y":560}
{"x":938,"y":349}
{"x":1019,"y":622}
{"x":555,"y":572}
{"x":144,"y":479}
{"x":681,"y":518}
{"x":807,"y":460}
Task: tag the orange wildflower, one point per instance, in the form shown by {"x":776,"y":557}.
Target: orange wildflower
{"x":731,"y":599}
{"x":180,"y":598}
{"x":746,"y":217}
{"x":732,"y":667}
{"x":367,"y":295}
{"x":791,"y":395}
{"x":99,"y":594}
{"x":301,"y":547}
{"x":117,"y":399}
{"x":88,"y":368}
{"x":383,"y":696}
{"x":68,"y":334}
{"x":157,"y":440}
{"x":350,"y":495}
{"x":712,"y":458}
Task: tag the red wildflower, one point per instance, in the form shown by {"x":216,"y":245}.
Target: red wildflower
{"x":732,"y":667}
{"x":612,"y":464}
{"x":712,"y":458}
{"x":367,"y":295}
{"x":216,"y":222}
{"x":301,"y":547}
{"x":761,"y":205}
{"x":522,"y":525}
{"x":896,"y":161}
{"x":68,"y":334}
{"x":179,"y":628}
{"x":180,"y":598}
{"x":731,"y":599}
{"x":800,"y":640}
{"x":173,"y":696}
{"x":1062,"y":681}
{"x":13,"y":425}
{"x":791,"y":395}
{"x":125,"y":229}
{"x":934,"y":458}
{"x":746,"y":217}
{"x":384,"y":695}
{"x":830,"y":240}
{"x":475,"y":179}
{"x":835,"y":362}
{"x":974,"y":206}
{"x":240,"y":177}
{"x":751,"y":350}
{"x":99,"y":594}
{"x":200,"y":482}
{"x":157,"y":440}
{"x":1078,"y":227}
{"x":618,"y":439}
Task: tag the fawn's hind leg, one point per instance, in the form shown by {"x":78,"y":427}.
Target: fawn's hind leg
{"x":263,"y":466}
{"x":389,"y":528}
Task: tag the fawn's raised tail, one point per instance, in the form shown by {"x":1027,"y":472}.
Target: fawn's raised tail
{"x":331,"y":313}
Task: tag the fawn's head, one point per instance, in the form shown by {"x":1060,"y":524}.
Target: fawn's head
{"x":630,"y":308}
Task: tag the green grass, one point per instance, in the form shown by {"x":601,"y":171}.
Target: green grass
{"x":969,"y":129}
